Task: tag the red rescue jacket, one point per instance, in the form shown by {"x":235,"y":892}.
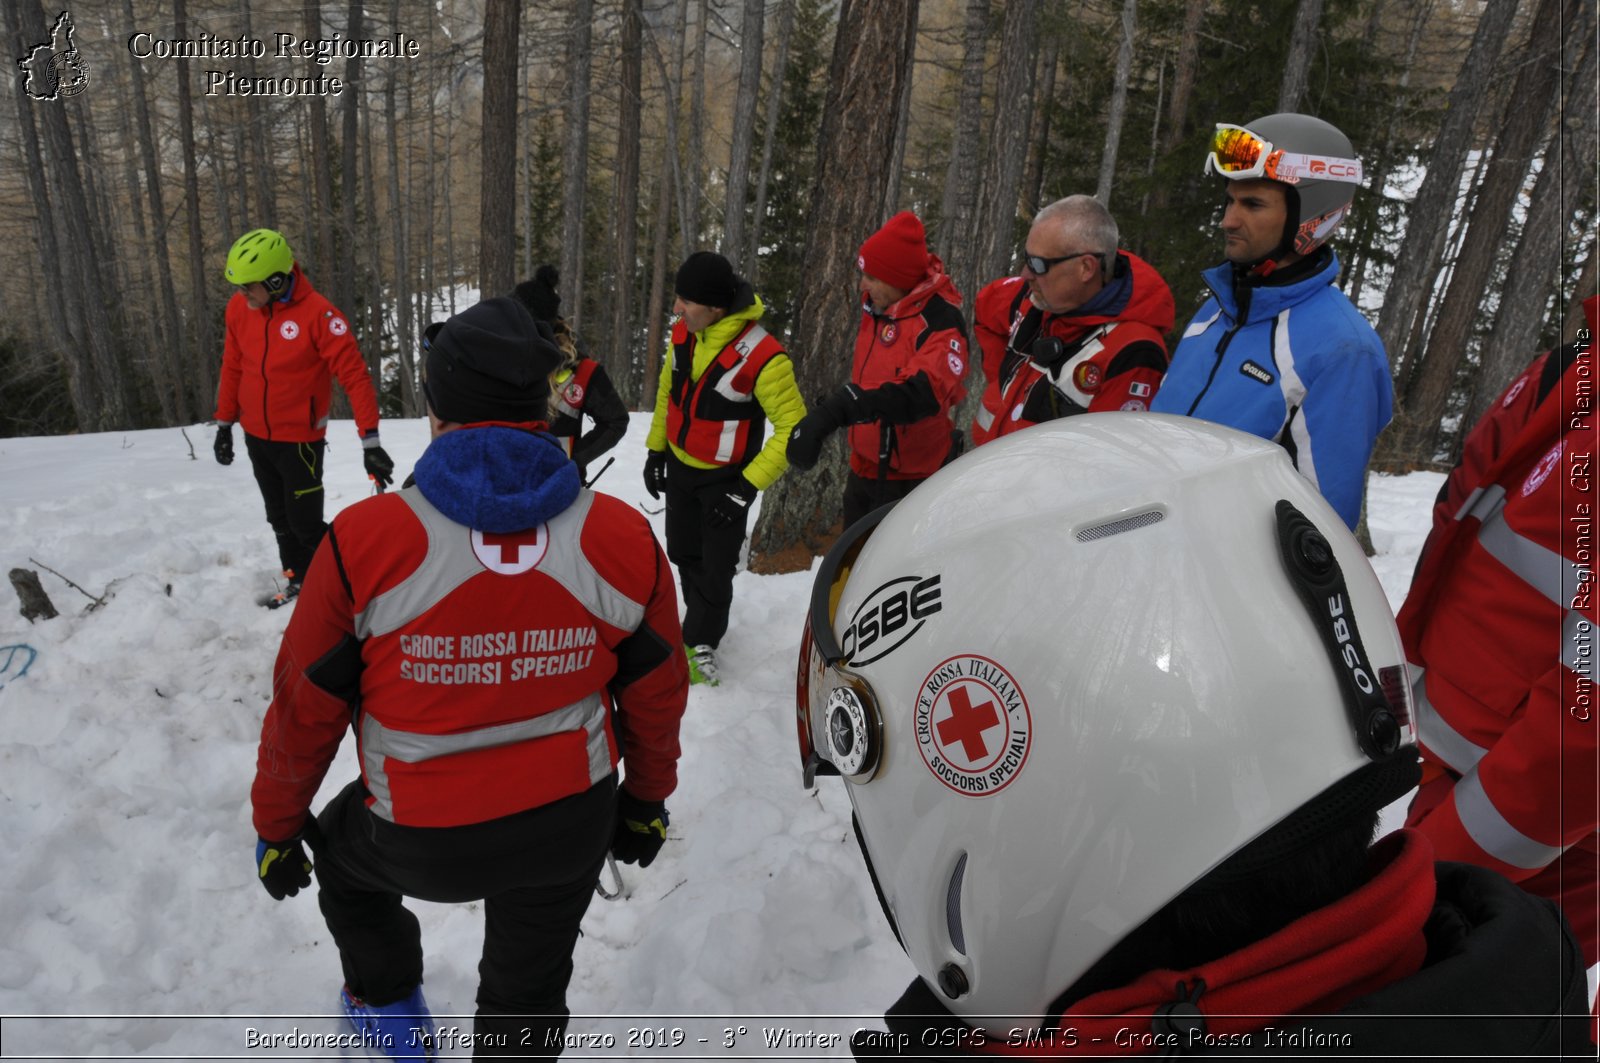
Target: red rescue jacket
{"x":1499,"y":628}
{"x":483,"y":674}
{"x":922,"y":333}
{"x":278,"y":365}
{"x":1115,"y":361}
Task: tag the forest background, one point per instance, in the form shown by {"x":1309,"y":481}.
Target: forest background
{"x":613,"y":137}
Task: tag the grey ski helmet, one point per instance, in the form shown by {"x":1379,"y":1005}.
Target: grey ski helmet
{"x":1317,"y":164}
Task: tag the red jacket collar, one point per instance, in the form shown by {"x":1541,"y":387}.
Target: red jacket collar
{"x":1315,"y":965}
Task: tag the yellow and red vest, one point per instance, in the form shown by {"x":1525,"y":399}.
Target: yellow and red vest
{"x":717,"y":419}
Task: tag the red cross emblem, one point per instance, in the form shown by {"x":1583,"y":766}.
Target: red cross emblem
{"x":966,"y":724}
{"x":972,"y":725}
{"x":510,"y":553}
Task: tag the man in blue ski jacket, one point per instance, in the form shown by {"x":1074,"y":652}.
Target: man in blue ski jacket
{"x":1277,"y":350}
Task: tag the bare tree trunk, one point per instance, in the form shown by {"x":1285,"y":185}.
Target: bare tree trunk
{"x":325,"y":270}
{"x":1569,"y":170}
{"x":1528,"y":111}
{"x":152,"y":347}
{"x":175,"y":342}
{"x":85,"y":288}
{"x":1033,"y":187}
{"x":769,"y":135}
{"x":398,"y":215}
{"x":695,"y":163}
{"x":1379,"y":178}
{"x":626,"y":210}
{"x":1119,"y":102}
{"x":1302,"y":46}
{"x":349,"y":182}
{"x":897,"y":151}
{"x":1008,"y":149}
{"x":262,"y":173}
{"x":1183,"y":73}
{"x":575,"y":154}
{"x":498,"y":198}
{"x":751,"y":32}
{"x":663,"y":229}
{"x":872,"y":55}
{"x":1427,"y":222}
{"x":958,"y":214}
{"x":80,"y":381}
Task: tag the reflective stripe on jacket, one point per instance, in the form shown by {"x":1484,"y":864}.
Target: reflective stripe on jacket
{"x":1499,"y":626}
{"x":1295,"y":363}
{"x":479,"y":671}
{"x":715,"y":418}
{"x":1116,"y":358}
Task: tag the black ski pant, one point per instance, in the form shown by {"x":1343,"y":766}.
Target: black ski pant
{"x":862,"y":496}
{"x":290,"y":478}
{"x":535,"y":872}
{"x":706,"y":556}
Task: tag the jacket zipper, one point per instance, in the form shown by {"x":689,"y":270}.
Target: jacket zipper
{"x":266,"y":343}
{"x":1242,"y":297}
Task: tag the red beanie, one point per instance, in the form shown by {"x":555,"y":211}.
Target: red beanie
{"x":897,"y":254}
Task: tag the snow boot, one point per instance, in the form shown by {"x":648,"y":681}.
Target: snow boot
{"x":291,"y":591}
{"x":702,"y":665}
{"x":403,"y":1030}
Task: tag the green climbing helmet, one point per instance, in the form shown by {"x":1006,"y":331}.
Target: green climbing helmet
{"x":260,"y":255}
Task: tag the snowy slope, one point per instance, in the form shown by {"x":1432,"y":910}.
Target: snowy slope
{"x":128,"y":746}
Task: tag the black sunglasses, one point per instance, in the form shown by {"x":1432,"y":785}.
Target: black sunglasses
{"x":1038,"y":265}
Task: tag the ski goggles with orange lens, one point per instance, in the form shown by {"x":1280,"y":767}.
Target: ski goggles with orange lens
{"x":836,"y":713}
{"x":1240,"y":155}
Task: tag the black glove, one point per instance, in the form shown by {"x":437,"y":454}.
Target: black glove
{"x":641,"y":829}
{"x":732,"y":507}
{"x":655,"y":472}
{"x":849,"y":405}
{"x":807,"y":437}
{"x":283,"y":867}
{"x":379,"y":465}
{"x":223,"y":447}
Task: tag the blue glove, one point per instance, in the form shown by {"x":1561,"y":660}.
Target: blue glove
{"x":283,"y":867}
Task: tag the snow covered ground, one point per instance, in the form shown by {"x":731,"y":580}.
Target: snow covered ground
{"x":127,"y":747}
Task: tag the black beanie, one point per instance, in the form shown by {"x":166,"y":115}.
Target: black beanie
{"x":708,"y":279}
{"x":540,"y":296}
{"x":491,"y":362}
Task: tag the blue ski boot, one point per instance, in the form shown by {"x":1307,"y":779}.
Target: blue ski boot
{"x":403,"y":1030}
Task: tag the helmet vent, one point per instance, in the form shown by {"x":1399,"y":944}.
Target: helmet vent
{"x":952,"y":907}
{"x":1122,"y":524}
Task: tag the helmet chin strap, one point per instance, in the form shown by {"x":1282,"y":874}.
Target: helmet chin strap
{"x":1264,"y":267}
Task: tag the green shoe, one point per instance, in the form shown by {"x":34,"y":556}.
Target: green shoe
{"x":702,"y":665}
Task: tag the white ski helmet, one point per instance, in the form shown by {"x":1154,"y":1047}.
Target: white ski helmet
{"x":1075,"y":671}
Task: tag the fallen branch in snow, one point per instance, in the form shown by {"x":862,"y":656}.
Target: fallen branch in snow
{"x":97,"y":601}
{"x":189,"y":441}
